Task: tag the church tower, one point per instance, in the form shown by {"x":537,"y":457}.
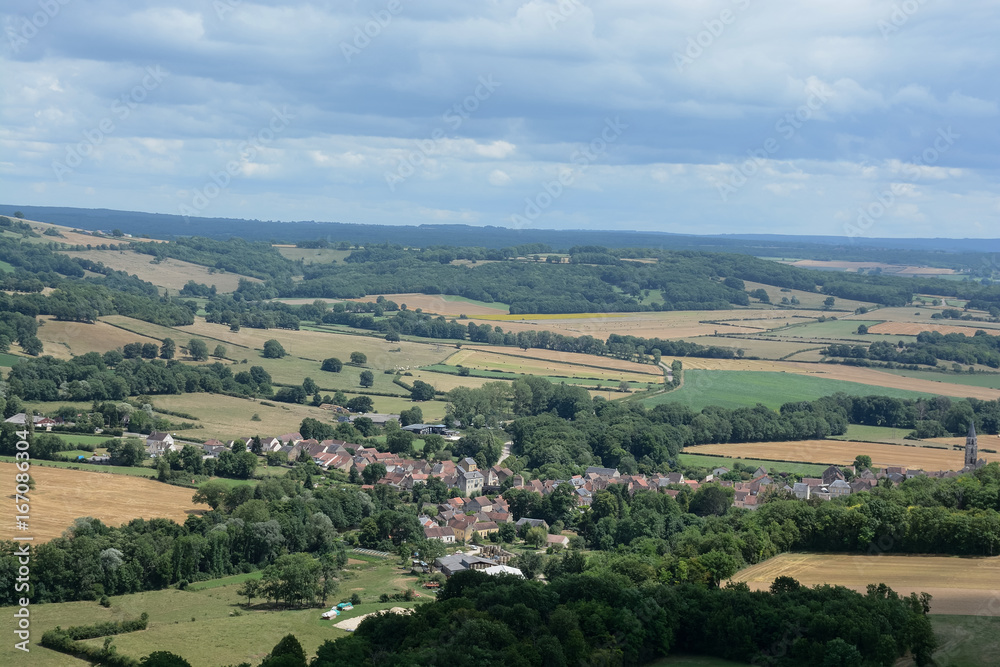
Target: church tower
{"x":971,"y":447}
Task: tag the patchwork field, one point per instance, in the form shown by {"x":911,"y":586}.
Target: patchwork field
{"x":914,"y":328}
{"x":64,"y":340}
{"x":62,"y":495}
{"x":171,"y":274}
{"x":963,"y":586}
{"x":836,"y":452}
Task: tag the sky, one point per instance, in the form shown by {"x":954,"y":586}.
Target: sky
{"x":847,"y":117}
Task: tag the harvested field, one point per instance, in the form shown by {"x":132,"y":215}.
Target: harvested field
{"x":959,"y":586}
{"x":910,"y":314}
{"x":806,"y":299}
{"x":62,"y":495}
{"x":837,"y":452}
{"x":569,"y":358}
{"x":68,"y":235}
{"x":477,"y":359}
{"x":441,"y":304}
{"x":673,"y":324}
{"x":170,"y":274}
{"x":914,"y":328}
{"x":64,"y":340}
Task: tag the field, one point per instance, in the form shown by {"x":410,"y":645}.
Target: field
{"x":963,"y":586}
{"x":62,"y":495}
{"x":199,"y":623}
{"x":920,"y":315}
{"x":312,"y":255}
{"x":990,"y":380}
{"x":671,"y":324}
{"x":873,"y":434}
{"x":171,"y":274}
{"x":64,"y":340}
{"x":913,"y":328}
{"x":806,"y":299}
{"x":836,"y":373}
{"x":892,"y":269}
{"x":596,"y":367}
{"x":805,"y":469}
{"x":733,"y":389}
{"x":442,"y":304}
{"x":837,"y":452}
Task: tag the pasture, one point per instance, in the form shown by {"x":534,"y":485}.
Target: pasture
{"x":988,"y":380}
{"x":961,"y":586}
{"x":804,"y":469}
{"x":312,"y":255}
{"x":62,"y":495}
{"x":65,"y":340}
{"x":201,"y":623}
{"x":443,"y":304}
{"x":170,"y":274}
{"x":733,"y":389}
{"x":841,"y":453}
{"x":806,"y":299}
{"x":570,"y":358}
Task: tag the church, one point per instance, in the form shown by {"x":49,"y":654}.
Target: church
{"x":972,"y":460}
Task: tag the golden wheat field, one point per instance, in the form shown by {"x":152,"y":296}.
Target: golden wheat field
{"x":62,"y":495}
{"x":963,"y":586}
{"x":64,"y":340}
{"x":838,"y":452}
{"x":914,"y":328}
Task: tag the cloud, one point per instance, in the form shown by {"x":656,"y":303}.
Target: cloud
{"x":401,"y":103}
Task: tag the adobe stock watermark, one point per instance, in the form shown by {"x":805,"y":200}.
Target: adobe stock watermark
{"x":224,"y":7}
{"x":883,"y":200}
{"x":453,"y":117}
{"x":120,"y":109}
{"x":247,"y":150}
{"x":785,"y":128}
{"x":564,"y":9}
{"x":20,"y":32}
{"x":552,"y":190}
{"x":714,"y":28}
{"x":369,"y":30}
{"x":899,"y":16}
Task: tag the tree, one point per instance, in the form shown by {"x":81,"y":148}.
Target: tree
{"x":392,"y":337}
{"x":828,"y":302}
{"x":360,"y":404}
{"x":422,"y":391}
{"x":536,"y":537}
{"x":711,"y":499}
{"x":220,"y":352}
{"x":163,"y":659}
{"x":168,"y":348}
{"x":530,"y":564}
{"x":359,"y":358}
{"x":862,"y":328}
{"x":292,"y":579}
{"x":373,"y":472}
{"x":250,"y":588}
{"x":367,"y":378}
{"x":212,"y":493}
{"x":507,"y":532}
{"x":412,"y":416}
{"x":149,"y":351}
{"x":623,"y":386}
{"x":400,"y":442}
{"x":287,"y":653}
{"x":197,"y":349}
{"x":31,"y":345}
{"x":862,"y":461}
{"x":273,"y":350}
{"x":332,"y":365}
{"x":128,"y":452}
{"x":309,"y":386}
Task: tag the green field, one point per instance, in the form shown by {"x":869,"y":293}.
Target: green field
{"x":828,"y":329}
{"x":314,"y":255}
{"x":487,"y":304}
{"x":201,"y":624}
{"x":114,"y":470}
{"x":8,"y":360}
{"x":991,"y":380}
{"x":872,"y":433}
{"x":700,"y":460}
{"x":965,"y":640}
{"x":733,"y":389}
{"x":5,"y":267}
{"x":556,"y":379}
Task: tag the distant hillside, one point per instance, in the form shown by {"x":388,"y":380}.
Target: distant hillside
{"x":951,"y":253}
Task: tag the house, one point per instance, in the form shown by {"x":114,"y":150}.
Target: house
{"x":484,"y":528}
{"x":425,"y":429}
{"x":378,"y":419}
{"x":557,"y":540}
{"x":442,"y":533}
{"x":838,"y":488}
{"x":602,"y":472}
{"x":495,"y":570}
{"x":801,"y":490}
{"x":471,"y":482}
{"x":158,"y":443}
{"x":532,"y":523}
{"x":21,"y":419}
{"x":831,"y":474}
{"x":460,"y":562}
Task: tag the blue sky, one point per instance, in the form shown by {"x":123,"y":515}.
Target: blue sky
{"x":847,"y":117}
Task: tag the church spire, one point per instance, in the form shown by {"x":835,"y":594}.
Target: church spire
{"x":972,"y":429}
